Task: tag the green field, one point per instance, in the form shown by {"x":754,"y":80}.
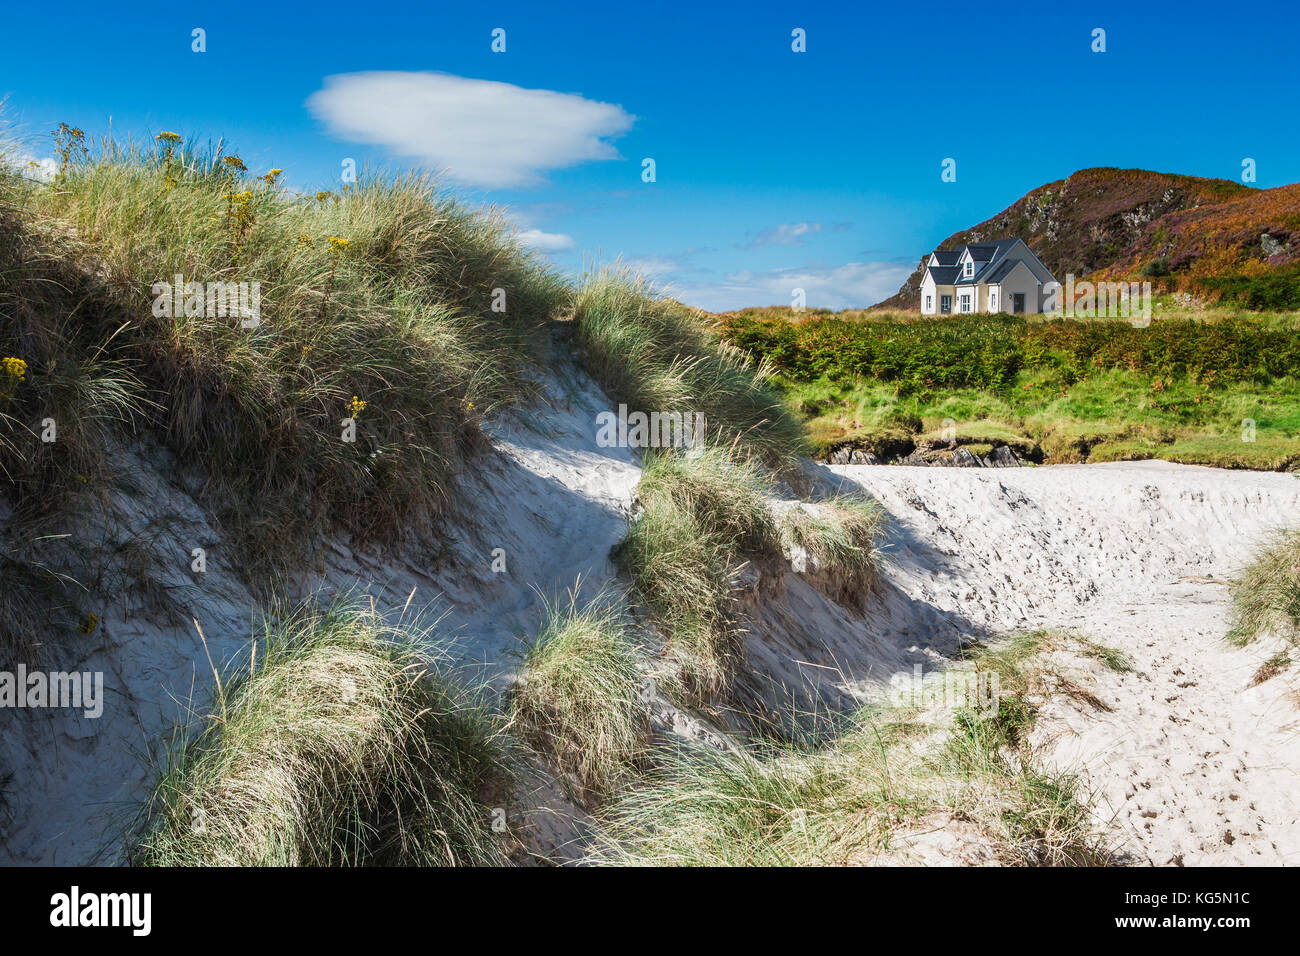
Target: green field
{"x":1216,"y":388}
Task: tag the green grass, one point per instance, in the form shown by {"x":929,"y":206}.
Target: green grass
{"x":682,"y":571}
{"x":577,"y":694}
{"x":840,"y":537}
{"x":1266,"y":594}
{"x":846,"y":800}
{"x":340,"y":744}
{"x":657,"y":355}
{"x":1111,"y":415}
{"x":398,"y":313}
{"x":722,"y":489}
{"x":1224,"y":391}
{"x":703,"y":515}
{"x":61,"y":322}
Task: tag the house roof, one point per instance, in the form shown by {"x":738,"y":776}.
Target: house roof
{"x":990,"y":258}
{"x":1001,"y":270}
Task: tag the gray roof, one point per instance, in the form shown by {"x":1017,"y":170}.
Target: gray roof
{"x":1001,"y":270}
{"x":990,"y":254}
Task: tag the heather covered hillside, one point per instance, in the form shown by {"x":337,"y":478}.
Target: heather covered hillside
{"x":1217,"y":239}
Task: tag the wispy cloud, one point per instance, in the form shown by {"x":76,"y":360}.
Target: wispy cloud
{"x":545,"y":241}
{"x":786,"y":234}
{"x":482,"y":132}
{"x":851,"y":285}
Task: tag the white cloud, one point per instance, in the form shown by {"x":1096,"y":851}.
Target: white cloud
{"x":656,"y":267}
{"x":786,"y":234}
{"x":482,"y":132}
{"x":546,"y":241}
{"x":852,"y":285}
{"x":42,"y":170}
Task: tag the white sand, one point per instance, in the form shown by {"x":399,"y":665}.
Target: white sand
{"x":1190,"y":765}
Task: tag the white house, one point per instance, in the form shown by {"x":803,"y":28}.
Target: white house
{"x":1001,"y":276}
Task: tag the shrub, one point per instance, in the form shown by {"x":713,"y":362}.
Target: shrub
{"x":927,"y":355}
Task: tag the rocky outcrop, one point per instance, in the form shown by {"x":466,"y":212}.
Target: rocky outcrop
{"x":927,"y":455}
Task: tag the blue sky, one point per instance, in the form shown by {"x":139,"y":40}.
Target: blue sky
{"x":774,"y":169}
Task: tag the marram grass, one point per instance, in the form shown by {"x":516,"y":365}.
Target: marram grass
{"x":657,"y":355}
{"x":577,"y":696}
{"x":388,"y":305}
{"x":839,"y":538}
{"x":848,"y":797}
{"x":340,"y":744}
{"x":1266,"y":594}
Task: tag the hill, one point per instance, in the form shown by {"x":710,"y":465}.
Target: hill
{"x":1216,"y":238}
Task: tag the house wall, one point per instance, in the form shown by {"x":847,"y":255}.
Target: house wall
{"x":970,"y":290}
{"x":993,"y":293}
{"x":1022,"y":280}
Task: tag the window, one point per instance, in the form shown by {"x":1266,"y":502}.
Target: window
{"x":969,"y":267}
{"x":965,"y":301}
{"x":929,"y":303}
{"x":993,"y":300}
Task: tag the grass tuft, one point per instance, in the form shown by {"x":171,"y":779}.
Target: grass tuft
{"x":340,"y":745}
{"x":657,"y":355}
{"x":702,"y":514}
{"x":840,"y":538}
{"x":1266,"y":595}
{"x":577,"y":694}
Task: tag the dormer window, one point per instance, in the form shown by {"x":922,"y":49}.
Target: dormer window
{"x":969,"y":267}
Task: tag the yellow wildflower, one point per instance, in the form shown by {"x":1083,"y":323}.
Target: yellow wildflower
{"x":15,"y":368}
{"x":339,"y":244}
{"x":356,"y":407}
{"x":89,"y":625}
{"x":168,"y":137}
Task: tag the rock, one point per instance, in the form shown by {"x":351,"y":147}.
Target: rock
{"x":1270,"y":245}
{"x":1002,"y":457}
{"x":848,"y":455}
{"x":963,"y":457}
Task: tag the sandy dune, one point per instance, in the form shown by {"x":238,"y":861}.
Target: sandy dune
{"x":1190,"y":766}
